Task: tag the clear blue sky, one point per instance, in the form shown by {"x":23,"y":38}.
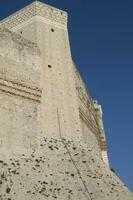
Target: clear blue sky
{"x":101,"y":36}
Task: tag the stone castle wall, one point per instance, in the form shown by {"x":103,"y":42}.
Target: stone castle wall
{"x":49,"y":134}
{"x":51,"y":36}
{"x":20,"y":92}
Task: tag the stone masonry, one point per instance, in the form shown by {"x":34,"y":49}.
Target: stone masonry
{"x":52,"y":138}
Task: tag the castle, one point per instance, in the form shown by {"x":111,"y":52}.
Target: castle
{"x":52,"y":139}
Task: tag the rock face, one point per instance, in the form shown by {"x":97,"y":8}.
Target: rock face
{"x":52,"y":140}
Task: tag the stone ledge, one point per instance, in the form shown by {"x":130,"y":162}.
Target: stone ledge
{"x":20,"y":90}
{"x":88,"y":122}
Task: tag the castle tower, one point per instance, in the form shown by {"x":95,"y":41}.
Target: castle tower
{"x":52,"y":140}
{"x":47,"y":27}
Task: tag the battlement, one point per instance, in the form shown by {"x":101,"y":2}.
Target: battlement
{"x":35,"y":9}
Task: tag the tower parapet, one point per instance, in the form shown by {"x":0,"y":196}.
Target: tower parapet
{"x":102,"y":137}
{"x":51,"y":15}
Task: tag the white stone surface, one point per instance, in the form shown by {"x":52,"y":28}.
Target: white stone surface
{"x":50,"y":140}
